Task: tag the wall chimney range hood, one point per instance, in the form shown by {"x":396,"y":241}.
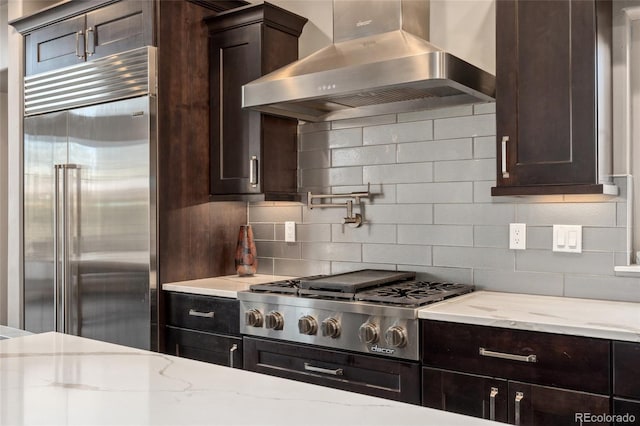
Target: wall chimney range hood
{"x":380,"y":63}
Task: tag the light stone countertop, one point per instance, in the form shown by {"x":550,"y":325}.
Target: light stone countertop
{"x":551,"y":314}
{"x":58,"y":379}
{"x":225,"y":286}
{"x":10,"y":332}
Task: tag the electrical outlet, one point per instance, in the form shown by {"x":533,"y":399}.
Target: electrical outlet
{"x":290,"y":232}
{"x":517,"y":236}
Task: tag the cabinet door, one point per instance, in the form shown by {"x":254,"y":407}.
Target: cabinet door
{"x":626,"y":377}
{"x":207,"y":347}
{"x":119,"y":27}
{"x":546,"y":91}
{"x":55,"y":46}
{"x":540,"y":405}
{"x":627,"y":410}
{"x":476,"y":396}
{"x":235,"y":133}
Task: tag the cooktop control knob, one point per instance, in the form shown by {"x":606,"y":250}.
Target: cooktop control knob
{"x":253,"y":318}
{"x":396,"y":336}
{"x":331,"y":328}
{"x":368,"y":333}
{"x":274,"y":320}
{"x":307,"y":325}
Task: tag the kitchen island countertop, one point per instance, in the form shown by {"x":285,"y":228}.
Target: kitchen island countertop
{"x":562,"y":315}
{"x":55,"y":379}
{"x":225,"y":286}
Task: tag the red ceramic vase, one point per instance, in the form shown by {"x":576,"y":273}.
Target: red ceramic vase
{"x":246,"y":258}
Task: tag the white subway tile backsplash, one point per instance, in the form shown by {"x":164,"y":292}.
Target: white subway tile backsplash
{"x":464,"y":170}
{"x":431,"y":114}
{"x":367,"y":233}
{"x":398,"y":133}
{"x":450,"y":149}
{"x":382,"y":154}
{"x":431,"y":210}
{"x":396,"y":254}
{"x":474,"y":214}
{"x":486,"y":108}
{"x":319,"y":159}
{"x":464,"y":127}
{"x":436,"y":235}
{"x":364,"y":121}
{"x":597,"y":287}
{"x":259,"y":213}
{"x":349,"y":252}
{"x":484,"y":147}
{"x":442,"y":192}
{"x":472,"y":257}
{"x":399,"y":213}
{"x":398,"y":173}
{"x":544,"y":283}
{"x":492,"y":236}
{"x":585,"y":214}
{"x":577,"y":263}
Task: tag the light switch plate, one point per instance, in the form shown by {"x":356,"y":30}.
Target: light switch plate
{"x":567,"y":238}
{"x":290,"y":232}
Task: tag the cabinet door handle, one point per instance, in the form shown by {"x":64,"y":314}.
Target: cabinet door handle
{"x":253,"y":171}
{"x":492,"y":403}
{"x":519,"y":396}
{"x":234,"y":348}
{"x":80,"y":50}
{"x":91,"y":42}
{"x":505,"y":173}
{"x":336,"y":372}
{"x":195,"y":313}
{"x":512,"y":357}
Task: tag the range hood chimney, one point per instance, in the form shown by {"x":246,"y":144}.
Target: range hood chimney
{"x":380,"y":63}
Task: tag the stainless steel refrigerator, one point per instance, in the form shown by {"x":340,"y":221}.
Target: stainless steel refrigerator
{"x":89,"y":200}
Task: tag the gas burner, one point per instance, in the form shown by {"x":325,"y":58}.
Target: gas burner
{"x":413,"y":293}
{"x":280,"y":287}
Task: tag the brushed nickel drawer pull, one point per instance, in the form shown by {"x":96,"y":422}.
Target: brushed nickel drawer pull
{"x":505,"y":172}
{"x":519,"y":397}
{"x":512,"y":357}
{"x":195,"y":313}
{"x":336,"y":372}
{"x":492,"y":403}
{"x":234,"y":348}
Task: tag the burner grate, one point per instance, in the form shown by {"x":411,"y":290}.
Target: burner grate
{"x":413,"y":293}
{"x":281,"y":287}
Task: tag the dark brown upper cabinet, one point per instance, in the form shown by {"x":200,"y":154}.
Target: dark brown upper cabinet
{"x":253,"y":155}
{"x":553,"y":97}
{"x":114,"y":28}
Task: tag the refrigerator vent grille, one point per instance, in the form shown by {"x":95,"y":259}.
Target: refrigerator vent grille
{"x":119,"y":76}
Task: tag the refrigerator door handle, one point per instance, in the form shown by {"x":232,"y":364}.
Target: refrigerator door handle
{"x":56,"y":240}
{"x":61,"y":279}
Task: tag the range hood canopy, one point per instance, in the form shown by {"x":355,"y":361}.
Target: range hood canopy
{"x":380,"y":63}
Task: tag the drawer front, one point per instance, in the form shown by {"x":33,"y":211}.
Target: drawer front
{"x":391,"y":379}
{"x":560,"y":360}
{"x":626,"y":411}
{"x":626,"y":372}
{"x":206,"y":313}
{"x":207,"y":347}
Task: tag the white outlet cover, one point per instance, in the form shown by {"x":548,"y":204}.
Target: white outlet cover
{"x":517,"y":236}
{"x":290,"y":232}
{"x":567,"y":238}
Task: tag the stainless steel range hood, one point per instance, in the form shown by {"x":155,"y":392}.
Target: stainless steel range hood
{"x":380,"y":63}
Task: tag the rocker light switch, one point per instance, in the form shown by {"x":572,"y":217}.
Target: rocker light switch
{"x":567,"y":238}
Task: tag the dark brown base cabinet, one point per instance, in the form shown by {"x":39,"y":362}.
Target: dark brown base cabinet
{"x":204,"y":328}
{"x":514,"y":376}
{"x":370,"y":375}
{"x":626,"y":382}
